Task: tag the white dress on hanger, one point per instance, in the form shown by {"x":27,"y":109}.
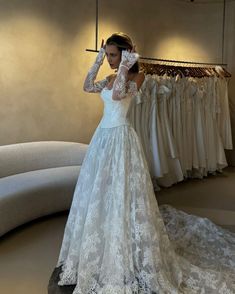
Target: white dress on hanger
{"x":154,"y":136}
{"x":138,"y":114}
{"x":173,"y":173}
{"x":116,"y":241}
{"x":199,"y":131}
{"x":146,"y":90}
{"x":224,"y":123}
{"x":178,"y":126}
{"x":215,"y":151}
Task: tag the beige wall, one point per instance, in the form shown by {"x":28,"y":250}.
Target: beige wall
{"x":44,"y":62}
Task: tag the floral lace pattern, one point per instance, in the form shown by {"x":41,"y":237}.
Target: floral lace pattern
{"x":129,"y":58}
{"x":118,"y":241}
{"x":90,"y":85}
{"x":120,"y":88}
{"x":115,"y":240}
{"x":204,"y":246}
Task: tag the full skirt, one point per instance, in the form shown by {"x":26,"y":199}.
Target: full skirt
{"x":118,"y":241}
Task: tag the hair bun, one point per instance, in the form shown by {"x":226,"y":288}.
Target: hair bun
{"x":121,"y":40}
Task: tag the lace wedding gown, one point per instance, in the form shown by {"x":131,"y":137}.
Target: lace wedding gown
{"x":116,"y":239}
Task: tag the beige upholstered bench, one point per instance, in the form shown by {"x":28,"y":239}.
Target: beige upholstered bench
{"x":37,"y":179}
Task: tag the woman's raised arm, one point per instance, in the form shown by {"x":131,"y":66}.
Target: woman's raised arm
{"x":89,"y":84}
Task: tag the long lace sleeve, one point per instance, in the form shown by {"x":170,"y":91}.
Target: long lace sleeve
{"x":89,"y":84}
{"x":120,"y":87}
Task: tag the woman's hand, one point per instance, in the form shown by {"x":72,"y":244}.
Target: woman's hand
{"x":129,"y":58}
{"x":101,"y":55}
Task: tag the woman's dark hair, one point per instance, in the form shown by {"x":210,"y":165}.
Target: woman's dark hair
{"x":123,"y":42}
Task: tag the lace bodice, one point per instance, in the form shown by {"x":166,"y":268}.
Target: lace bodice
{"x":115,"y":111}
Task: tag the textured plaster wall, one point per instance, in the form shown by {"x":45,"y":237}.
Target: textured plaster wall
{"x":43,"y":63}
{"x":43,"y":59}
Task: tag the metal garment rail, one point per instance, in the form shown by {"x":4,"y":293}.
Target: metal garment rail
{"x":170,"y":60}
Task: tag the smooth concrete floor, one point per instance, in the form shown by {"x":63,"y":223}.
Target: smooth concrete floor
{"x":29,"y":253}
{"x":212,"y":197}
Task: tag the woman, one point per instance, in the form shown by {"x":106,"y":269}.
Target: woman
{"x":115,"y":239}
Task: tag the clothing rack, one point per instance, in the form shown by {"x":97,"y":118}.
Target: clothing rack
{"x":184,"y":71}
{"x":204,"y":70}
{"x":171,"y":60}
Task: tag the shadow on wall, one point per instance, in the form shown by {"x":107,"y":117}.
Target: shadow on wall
{"x":41,"y":71}
{"x":64,"y":15}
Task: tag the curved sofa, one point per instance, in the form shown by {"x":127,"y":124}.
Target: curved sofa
{"x":37,"y":179}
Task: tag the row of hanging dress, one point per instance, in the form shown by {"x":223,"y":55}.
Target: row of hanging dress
{"x":184,"y":126}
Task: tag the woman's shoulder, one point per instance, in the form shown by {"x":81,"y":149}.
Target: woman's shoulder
{"x":139,"y":76}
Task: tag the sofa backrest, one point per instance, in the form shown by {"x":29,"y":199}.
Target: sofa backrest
{"x":25,"y":157}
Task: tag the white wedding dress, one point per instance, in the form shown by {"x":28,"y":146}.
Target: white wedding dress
{"x":117,"y":241}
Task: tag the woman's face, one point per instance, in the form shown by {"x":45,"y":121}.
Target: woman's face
{"x":113,"y":56}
